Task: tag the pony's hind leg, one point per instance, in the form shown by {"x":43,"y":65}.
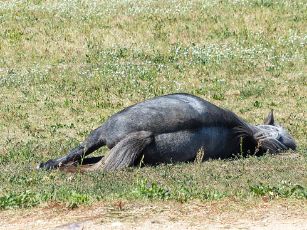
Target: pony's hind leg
{"x":92,"y":143}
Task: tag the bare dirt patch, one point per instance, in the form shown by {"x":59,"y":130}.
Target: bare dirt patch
{"x":226,"y":214}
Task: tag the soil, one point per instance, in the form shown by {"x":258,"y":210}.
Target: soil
{"x":226,"y":214}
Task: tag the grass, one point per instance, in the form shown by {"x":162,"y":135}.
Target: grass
{"x":270,"y":176}
{"x":66,"y":66}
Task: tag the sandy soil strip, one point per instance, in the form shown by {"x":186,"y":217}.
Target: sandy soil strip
{"x":225,"y":214}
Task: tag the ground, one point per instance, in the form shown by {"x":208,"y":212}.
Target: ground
{"x":67,"y":65}
{"x":224,"y":214}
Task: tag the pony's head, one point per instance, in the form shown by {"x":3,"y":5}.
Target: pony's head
{"x":272,"y":137}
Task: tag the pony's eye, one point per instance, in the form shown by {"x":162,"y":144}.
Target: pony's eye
{"x":280,"y":138}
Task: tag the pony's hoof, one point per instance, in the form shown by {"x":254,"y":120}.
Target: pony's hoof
{"x":51,"y":164}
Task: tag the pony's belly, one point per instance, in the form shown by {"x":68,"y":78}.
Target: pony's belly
{"x":183,"y":146}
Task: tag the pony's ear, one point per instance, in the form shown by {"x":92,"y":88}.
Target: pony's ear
{"x":270,"y":119}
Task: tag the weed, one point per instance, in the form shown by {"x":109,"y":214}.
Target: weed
{"x":151,"y":190}
{"x":73,"y":199}
{"x":19,"y":200}
{"x":199,"y":155}
{"x":212,"y":195}
{"x":284,"y":190}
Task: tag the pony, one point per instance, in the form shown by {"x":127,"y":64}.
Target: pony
{"x":173,"y":128}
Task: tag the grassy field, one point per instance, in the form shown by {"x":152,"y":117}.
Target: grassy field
{"x":66,"y":66}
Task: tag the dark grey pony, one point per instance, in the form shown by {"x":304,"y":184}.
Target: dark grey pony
{"x":173,"y":128}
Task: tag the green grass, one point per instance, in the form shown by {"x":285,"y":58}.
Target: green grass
{"x":66,"y":66}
